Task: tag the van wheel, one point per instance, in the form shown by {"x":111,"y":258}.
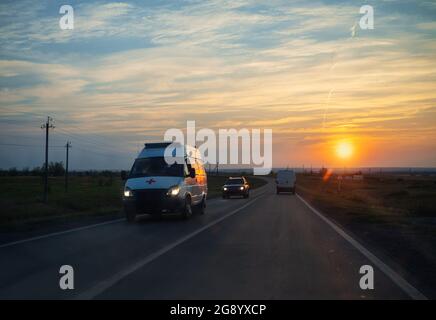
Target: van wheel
{"x":130,"y":216}
{"x":187,"y":209}
{"x":246,"y":195}
{"x":201,"y":208}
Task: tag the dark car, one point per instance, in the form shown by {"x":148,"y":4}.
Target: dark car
{"x":236,"y":186}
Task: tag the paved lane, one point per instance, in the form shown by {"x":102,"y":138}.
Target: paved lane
{"x":31,"y":269}
{"x":267,"y":247}
{"x":274,"y":249}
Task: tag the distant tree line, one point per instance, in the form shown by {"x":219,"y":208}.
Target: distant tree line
{"x":55,"y":169}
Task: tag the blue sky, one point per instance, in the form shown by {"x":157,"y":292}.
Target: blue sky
{"x":130,"y":70}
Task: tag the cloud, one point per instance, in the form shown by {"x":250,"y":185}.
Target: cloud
{"x":427,"y":26}
{"x":222,"y":63}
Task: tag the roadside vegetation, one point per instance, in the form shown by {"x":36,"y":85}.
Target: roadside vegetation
{"x":89,"y":194}
{"x":377,"y":197}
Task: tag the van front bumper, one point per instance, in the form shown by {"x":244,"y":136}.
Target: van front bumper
{"x":285,"y":189}
{"x":152,"y":201}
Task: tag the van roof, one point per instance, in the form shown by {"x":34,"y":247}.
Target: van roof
{"x":157,"y":145}
{"x":285,"y":170}
{"x":157,"y":149}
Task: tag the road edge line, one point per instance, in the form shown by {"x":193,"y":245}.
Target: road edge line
{"x":102,"y":286}
{"x":388,"y":271}
{"x":54,"y":234}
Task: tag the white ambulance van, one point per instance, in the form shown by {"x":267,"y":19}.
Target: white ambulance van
{"x":155,"y":187}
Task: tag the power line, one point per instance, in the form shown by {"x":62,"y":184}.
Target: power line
{"x":98,"y":153}
{"x":107,"y":150}
{"x":68,"y":125}
{"x":79,"y":148}
{"x":23,"y":112}
{"x":95,"y":144}
{"x":27,"y":145}
{"x":15,"y":121}
{"x":86,"y":140}
{"x":40,"y":146}
{"x":20,"y":137}
{"x":88,"y":146}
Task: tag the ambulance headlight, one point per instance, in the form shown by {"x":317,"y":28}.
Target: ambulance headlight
{"x":173,"y":191}
{"x":225,"y":188}
{"x":241,"y":188}
{"x":128,"y":193}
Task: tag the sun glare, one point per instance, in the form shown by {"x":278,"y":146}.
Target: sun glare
{"x":344,"y":149}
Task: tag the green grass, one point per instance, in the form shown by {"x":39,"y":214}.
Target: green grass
{"x":377,"y":197}
{"x":21,"y":198}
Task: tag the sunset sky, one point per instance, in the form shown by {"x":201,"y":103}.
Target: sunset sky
{"x":130,"y":70}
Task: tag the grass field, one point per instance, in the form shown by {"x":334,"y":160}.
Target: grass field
{"x":376,"y":197}
{"x":20,"y":198}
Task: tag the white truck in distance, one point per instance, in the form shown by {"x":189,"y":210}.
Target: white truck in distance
{"x":285,"y":181}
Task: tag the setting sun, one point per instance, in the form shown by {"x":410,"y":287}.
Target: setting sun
{"x":344,"y":149}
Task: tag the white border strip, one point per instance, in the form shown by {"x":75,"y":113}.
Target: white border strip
{"x":106,"y":284}
{"x":388,"y":271}
{"x":49,"y":235}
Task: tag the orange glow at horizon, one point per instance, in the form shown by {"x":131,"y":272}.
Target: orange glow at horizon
{"x":344,"y":150}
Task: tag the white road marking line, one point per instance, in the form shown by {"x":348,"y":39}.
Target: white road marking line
{"x":49,"y":235}
{"x":388,"y":271}
{"x":106,"y":284}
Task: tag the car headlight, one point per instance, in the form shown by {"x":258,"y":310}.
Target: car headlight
{"x":241,"y":188}
{"x":173,"y":191}
{"x":128,"y":193}
{"x":225,"y":189}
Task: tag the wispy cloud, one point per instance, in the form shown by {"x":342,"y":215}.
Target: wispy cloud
{"x":132,"y":70}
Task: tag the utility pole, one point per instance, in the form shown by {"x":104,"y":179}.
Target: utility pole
{"x":48,"y":125}
{"x":67,"y":146}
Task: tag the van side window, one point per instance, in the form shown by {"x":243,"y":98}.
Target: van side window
{"x":195,"y":166}
{"x":187,"y":167}
{"x":200,"y":168}
{"x":190,"y":163}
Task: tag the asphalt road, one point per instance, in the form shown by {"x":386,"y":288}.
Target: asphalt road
{"x":266,"y":247}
